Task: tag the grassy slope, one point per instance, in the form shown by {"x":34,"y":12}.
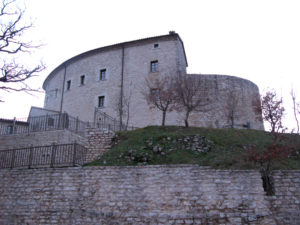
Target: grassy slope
{"x":226,"y":150}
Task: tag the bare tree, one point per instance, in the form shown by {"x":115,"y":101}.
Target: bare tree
{"x":123,"y":107}
{"x":192,"y":95}
{"x":13,"y":74}
{"x":160,"y":94}
{"x":127,"y":102}
{"x":256,"y":104}
{"x":296,"y":109}
{"x":272,"y":111}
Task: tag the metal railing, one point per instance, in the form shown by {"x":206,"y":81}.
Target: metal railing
{"x":12,"y":126}
{"x":44,"y":123}
{"x":61,"y":121}
{"x":104,"y":121}
{"x":43,"y":156}
{"x":56,"y":122}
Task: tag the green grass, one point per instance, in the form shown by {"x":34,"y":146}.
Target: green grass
{"x":225,"y":148}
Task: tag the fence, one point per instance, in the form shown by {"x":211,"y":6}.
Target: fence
{"x":61,"y":121}
{"x":11,"y":126}
{"x":104,"y":121}
{"x":43,"y":156}
{"x":43,"y":123}
{"x":56,"y":122}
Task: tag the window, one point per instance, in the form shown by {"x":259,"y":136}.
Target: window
{"x":154,"y":94}
{"x":68,"y":85}
{"x":156,"y":45}
{"x":50,"y":122}
{"x":82,"y":80}
{"x":103,"y":74}
{"x":154,"y":66}
{"x":9,"y":129}
{"x":101,"y":101}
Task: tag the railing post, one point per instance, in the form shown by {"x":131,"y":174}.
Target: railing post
{"x":95,"y":113}
{"x":30,"y":156}
{"x":14,"y":126}
{"x":40,"y":128}
{"x":64,"y":121}
{"x":46,"y":123}
{"x":104,"y":120}
{"x":12,"y":159}
{"x":77,"y":120}
{"x":74,"y":153}
{"x":53,"y":154}
{"x":58,"y":121}
{"x":58,"y":124}
{"x":29,"y":122}
{"x":61,"y":121}
{"x":114,"y":124}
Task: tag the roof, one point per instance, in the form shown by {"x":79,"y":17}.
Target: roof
{"x":171,"y":35}
{"x":226,"y":77}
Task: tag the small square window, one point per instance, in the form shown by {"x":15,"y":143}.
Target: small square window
{"x":156,"y":45}
{"x":103,"y":74}
{"x":9,"y":129}
{"x":68,"y":85}
{"x":154,"y":66}
{"x":82,"y":80}
{"x":154,"y":94}
{"x":50,"y":122}
{"x":101,"y":101}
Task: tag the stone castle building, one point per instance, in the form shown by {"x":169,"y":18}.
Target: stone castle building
{"x":96,"y":79}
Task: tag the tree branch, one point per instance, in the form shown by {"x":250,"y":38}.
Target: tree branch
{"x":14,"y":75}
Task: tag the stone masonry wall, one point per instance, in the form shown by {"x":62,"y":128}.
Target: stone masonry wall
{"x":285,"y":205}
{"x":181,"y":194}
{"x":98,"y":142}
{"x":229,"y":96}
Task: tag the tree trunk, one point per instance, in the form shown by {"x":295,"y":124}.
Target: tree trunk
{"x":267,"y":181}
{"x":121,"y":123}
{"x":163,"y":118}
{"x":295,"y":115}
{"x":232,"y":120}
{"x":186,"y":120}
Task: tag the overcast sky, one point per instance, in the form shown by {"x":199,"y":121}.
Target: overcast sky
{"x":256,"y":39}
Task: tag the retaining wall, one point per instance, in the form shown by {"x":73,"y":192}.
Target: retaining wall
{"x":285,"y":205}
{"x":98,"y":142}
{"x":181,"y":194}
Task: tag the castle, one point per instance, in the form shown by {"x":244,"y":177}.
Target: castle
{"x":82,"y":101}
{"x":90,"y":83}
{"x":95,"y":80}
